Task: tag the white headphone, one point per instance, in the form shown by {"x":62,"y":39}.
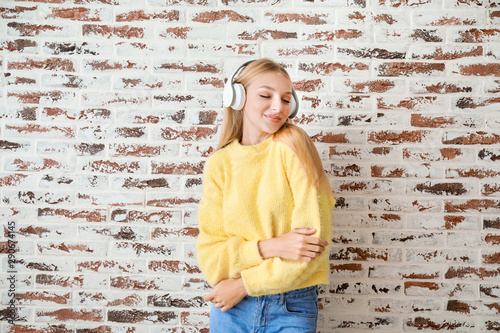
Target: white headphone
{"x":235,"y":96}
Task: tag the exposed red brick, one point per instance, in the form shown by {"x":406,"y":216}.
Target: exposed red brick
{"x":125,"y":282}
{"x":361,"y":254}
{"x":46,"y":328}
{"x":475,"y":35}
{"x":71,"y":314}
{"x":357,"y":17}
{"x":387,"y":18}
{"x":108,"y":65}
{"x":157,"y":233}
{"x":451,"y":221}
{"x":60,"y":281}
{"x":33,"y":30}
{"x":480,"y":70}
{"x":88,"y":148}
{"x":216,"y":83}
{"x":472,"y":205}
{"x":446,"y":88}
{"x":316,"y":19}
{"x":426,"y":323}
{"x":52,"y":64}
{"x":267,"y":35}
{"x":336,"y":34}
{"x":192,"y":134}
{"x":34,"y":97}
{"x":488,"y":154}
{"x":16,"y":12}
{"x":194,"y":319}
{"x":492,"y":258}
{"x":474,"y":172}
{"x":112,"y":167}
{"x":169,"y":202}
{"x":18,"y":45}
{"x":409,"y":68}
{"x":74,"y":13}
{"x":426,"y":35}
{"x":330,"y":137}
{"x":439,"y":54}
{"x":172,"y":266}
{"x":180,"y":33}
{"x":130,"y":132}
{"x":490,"y":189}
{"x":106,"y":2}
{"x":98,"y":215}
{"x":492,"y":239}
{"x":419,"y":120}
{"x":109,"y":31}
{"x":221,"y":15}
{"x":55,"y":113}
{"x":171,"y":301}
{"x":138,"y":150}
{"x":130,"y":300}
{"x":474,"y":272}
{"x":185,"y":168}
{"x":301,"y":51}
{"x":33,"y":128}
{"x":453,"y":21}
{"x":140,"y":15}
{"x":330,"y":68}
{"x":12,"y":180}
{"x":45,"y":297}
{"x":134,"y":183}
{"x":346,"y":267}
{"x":397,"y":137}
{"x":141,"y":316}
{"x":105,"y":266}
{"x":199,"y":67}
{"x":482,"y":138}
{"x":376,"y":53}
{"x":376,"y":86}
{"x":442,"y":188}
{"x":157,"y":217}
{"x":407,"y":103}
{"x":46,"y":164}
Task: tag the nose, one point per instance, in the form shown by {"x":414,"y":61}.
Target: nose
{"x":277,"y":105}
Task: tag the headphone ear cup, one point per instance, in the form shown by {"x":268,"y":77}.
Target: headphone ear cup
{"x":294,"y":105}
{"x":228,"y":95}
{"x":239,"y":97}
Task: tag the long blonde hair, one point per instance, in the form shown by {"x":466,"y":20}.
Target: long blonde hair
{"x":291,"y":135}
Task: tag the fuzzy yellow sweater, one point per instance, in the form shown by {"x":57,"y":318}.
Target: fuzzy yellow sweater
{"x":253,"y":193}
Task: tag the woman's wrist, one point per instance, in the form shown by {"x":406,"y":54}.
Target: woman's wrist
{"x":267,"y":249}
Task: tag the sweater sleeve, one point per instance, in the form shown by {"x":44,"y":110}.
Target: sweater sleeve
{"x":219,"y":255}
{"x":311,"y":209}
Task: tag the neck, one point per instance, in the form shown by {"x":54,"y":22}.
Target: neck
{"x":250,"y":141}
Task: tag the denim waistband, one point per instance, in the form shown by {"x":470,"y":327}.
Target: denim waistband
{"x":291,"y":294}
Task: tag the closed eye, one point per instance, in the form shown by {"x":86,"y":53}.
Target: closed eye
{"x":264,"y":96}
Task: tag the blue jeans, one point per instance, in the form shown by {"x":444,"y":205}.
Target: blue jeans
{"x":289,"y":312}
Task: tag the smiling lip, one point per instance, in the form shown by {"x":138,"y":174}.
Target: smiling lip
{"x":273,"y":119}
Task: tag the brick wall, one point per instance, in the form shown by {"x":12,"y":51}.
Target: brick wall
{"x":109,"y":109}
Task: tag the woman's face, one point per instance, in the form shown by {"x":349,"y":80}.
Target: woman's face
{"x":267,"y":107}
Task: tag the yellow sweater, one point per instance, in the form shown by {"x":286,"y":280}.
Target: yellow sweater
{"x":253,"y":193}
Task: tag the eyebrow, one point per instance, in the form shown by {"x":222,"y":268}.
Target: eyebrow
{"x":271,"y":88}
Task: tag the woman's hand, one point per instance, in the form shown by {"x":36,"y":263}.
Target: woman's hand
{"x":296,"y":245}
{"x":227,"y":294}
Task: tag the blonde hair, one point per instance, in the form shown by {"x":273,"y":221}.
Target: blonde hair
{"x":291,"y":135}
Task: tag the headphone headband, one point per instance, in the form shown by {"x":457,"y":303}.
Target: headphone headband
{"x":235,"y":96}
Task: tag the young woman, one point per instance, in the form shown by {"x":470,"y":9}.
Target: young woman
{"x":265,"y":212}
